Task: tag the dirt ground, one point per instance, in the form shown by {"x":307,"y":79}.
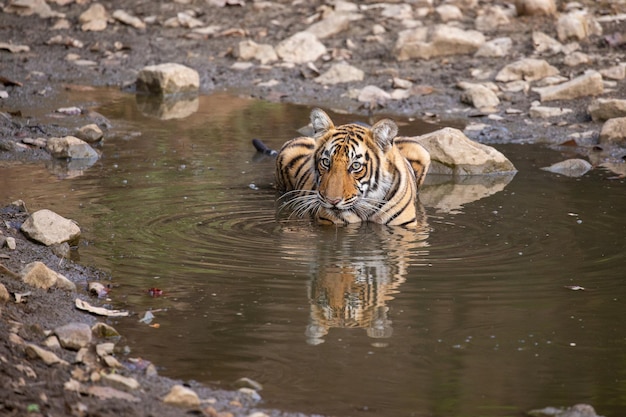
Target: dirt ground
{"x":32,"y":80}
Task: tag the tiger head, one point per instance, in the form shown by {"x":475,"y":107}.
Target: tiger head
{"x":350,"y":162}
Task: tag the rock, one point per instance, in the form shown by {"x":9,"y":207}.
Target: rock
{"x":479,"y":96}
{"x":340,"y":73}
{"x":578,"y":410}
{"x":570,"y":168}
{"x":542,"y":112}
{"x":617,"y":72}
{"x":576,"y":58}
{"x":249,"y":49}
{"x":577,"y":25}
{"x":120,"y":382}
{"x":535,"y":7}
{"x":4,"y":294}
{"x":182,"y":397}
{"x":47,"y":227}
{"x":448,"y":12}
{"x":333,"y":24}
{"x":248,"y":383}
{"x":490,"y":18}
{"x":588,"y":84}
{"x":93,"y":19}
{"x":104,"y":349}
{"x":528,"y":69}
{"x":373,"y":95}
{"x":49,"y":358}
{"x":74,"y":336}
{"x":545,"y":44}
{"x":169,"y":78}
{"x":38,"y":275}
{"x":90,"y":133}
{"x":300,"y":48}
{"x":453,"y":153}
{"x":614,"y":132}
{"x":495,"y":48}
{"x":103,"y":330}
{"x":127,"y":19}
{"x":607,"y":108}
{"x":10,"y":243}
{"x":28,"y":8}
{"x":425,"y":43}
{"x":70,"y":147}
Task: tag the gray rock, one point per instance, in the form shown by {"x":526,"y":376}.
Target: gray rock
{"x":425,"y":43}
{"x":494,"y":48}
{"x":577,"y":25}
{"x":528,"y":69}
{"x":90,"y":133}
{"x":300,"y":48}
{"x":614,"y":132}
{"x":249,"y":49}
{"x":448,"y":12}
{"x":47,"y":227}
{"x":38,"y":275}
{"x":588,"y":84}
{"x":545,"y":44}
{"x":74,"y":335}
{"x":10,"y":243}
{"x":479,"y":96}
{"x":373,"y":95}
{"x":543,"y":112}
{"x":182,"y":397}
{"x":120,"y":382}
{"x":453,"y":153}
{"x":340,"y":73}
{"x":490,"y":18}
{"x":93,"y":19}
{"x":169,"y":78}
{"x":128,"y":19}
{"x":70,"y":147}
{"x":576,"y":58}
{"x":333,"y":24}
{"x":49,"y":358}
{"x":570,"y":167}
{"x":616,"y":72}
{"x":604,"y":109}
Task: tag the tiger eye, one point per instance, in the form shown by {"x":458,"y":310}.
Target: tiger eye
{"x":325,"y":162}
{"x":356,"y":166}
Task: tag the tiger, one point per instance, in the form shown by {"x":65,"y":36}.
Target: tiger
{"x":352,"y":173}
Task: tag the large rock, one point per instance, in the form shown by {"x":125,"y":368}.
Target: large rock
{"x":426,"y":43}
{"x":528,"y":69}
{"x":577,"y":25}
{"x":614,"y":132}
{"x":90,"y":133}
{"x":607,"y":108}
{"x":94,"y":18}
{"x":38,"y":275}
{"x":182,"y":397}
{"x":570,"y":167}
{"x":300,"y":48}
{"x":70,"y":147}
{"x":74,"y":335}
{"x":479,"y":96}
{"x":333,"y":24}
{"x":340,"y":73}
{"x":249,"y":49}
{"x":47,"y":227}
{"x":453,"y":153}
{"x":169,"y":78}
{"x":588,"y":84}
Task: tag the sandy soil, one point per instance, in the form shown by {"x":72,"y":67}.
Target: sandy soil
{"x":33,"y":80}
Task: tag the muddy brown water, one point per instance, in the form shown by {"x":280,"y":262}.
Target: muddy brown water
{"x":474,"y":313}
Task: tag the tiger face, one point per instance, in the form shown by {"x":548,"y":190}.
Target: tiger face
{"x":352,"y":173}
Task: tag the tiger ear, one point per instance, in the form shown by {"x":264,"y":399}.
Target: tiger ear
{"x":383,"y":132}
{"x":321,"y":122}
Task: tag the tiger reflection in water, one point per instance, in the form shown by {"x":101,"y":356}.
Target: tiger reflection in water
{"x":355,"y":272}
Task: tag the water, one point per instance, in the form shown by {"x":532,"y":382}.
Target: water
{"x":474,"y":313}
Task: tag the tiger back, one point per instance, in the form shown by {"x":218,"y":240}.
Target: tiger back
{"x":352,"y":173}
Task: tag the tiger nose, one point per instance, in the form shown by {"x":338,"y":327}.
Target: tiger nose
{"x":333,"y":200}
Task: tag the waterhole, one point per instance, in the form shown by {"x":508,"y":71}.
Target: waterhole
{"x":510,"y":294}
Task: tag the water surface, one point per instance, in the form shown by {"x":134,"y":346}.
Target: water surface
{"x":473,"y":313}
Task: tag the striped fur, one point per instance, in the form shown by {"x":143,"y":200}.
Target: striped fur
{"x":352,"y":173}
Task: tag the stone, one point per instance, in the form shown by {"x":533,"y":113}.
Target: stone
{"x":543,"y":112}
{"x":103,"y":330}
{"x":10,"y":243}
{"x":90,"y":133}
{"x":104,"y":349}
{"x":588,"y":84}
{"x":453,"y":153}
{"x":490,"y":18}
{"x":340,"y":73}
{"x":607,"y":108}
{"x":449,"y":12}
{"x":442,"y":40}
{"x":127,"y":19}
{"x":528,"y":69}
{"x":182,"y":396}
{"x":120,"y":382}
{"x":570,"y":168}
{"x":248,"y":383}
{"x":49,"y":228}
{"x":74,"y":336}
{"x":535,"y":7}
{"x":576,"y":58}
{"x":333,"y":24}
{"x":249,"y":49}
{"x":616,"y":72}
{"x":168,"y":78}
{"x":70,"y":147}
{"x":479,"y":96}
{"x":545,"y":44}
{"x":300,"y":48}
{"x":614,"y":132}
{"x":495,"y":48}
{"x":373,"y":95}
{"x":577,"y":25}
{"x":38,"y":275}
{"x":4,"y":294}
{"x":33,"y":351}
{"x":94,"y":19}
